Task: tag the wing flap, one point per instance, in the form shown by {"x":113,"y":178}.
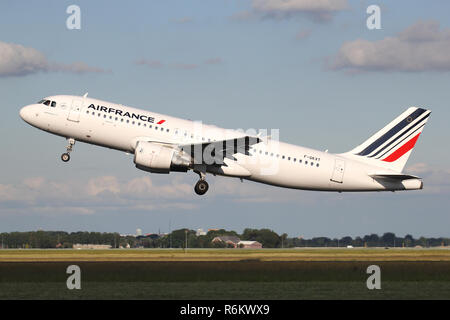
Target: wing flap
{"x":218,"y":150}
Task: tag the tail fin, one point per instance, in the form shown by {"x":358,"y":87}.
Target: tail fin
{"x":391,"y":146}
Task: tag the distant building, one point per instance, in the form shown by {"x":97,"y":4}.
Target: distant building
{"x":91,"y":246}
{"x":152,"y":236}
{"x":228,"y":240}
{"x":200,"y":232}
{"x":138,"y":232}
{"x":249,"y":245}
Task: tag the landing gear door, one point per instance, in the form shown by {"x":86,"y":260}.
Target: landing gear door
{"x":338,"y":171}
{"x":75,"y":111}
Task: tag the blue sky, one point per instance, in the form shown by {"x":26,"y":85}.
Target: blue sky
{"x":236,"y":64}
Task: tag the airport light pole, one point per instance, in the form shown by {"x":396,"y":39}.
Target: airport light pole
{"x":170,"y":233}
{"x":185,"y":248}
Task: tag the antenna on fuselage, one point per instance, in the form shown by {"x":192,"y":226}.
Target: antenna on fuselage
{"x":85,"y":95}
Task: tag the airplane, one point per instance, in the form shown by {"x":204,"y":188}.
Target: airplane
{"x":164,"y":144}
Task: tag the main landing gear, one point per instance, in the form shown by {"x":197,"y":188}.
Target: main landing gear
{"x":201,"y":186}
{"x":66,"y":156}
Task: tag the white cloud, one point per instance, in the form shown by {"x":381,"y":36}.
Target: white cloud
{"x":110,"y":194}
{"x":421,"y":47}
{"x":17,"y":60}
{"x":75,"y":67}
{"x":102,"y":184}
{"x":149,"y":63}
{"x":213,"y":61}
{"x":436,"y":180}
{"x":105,"y":193}
{"x":317,"y":9}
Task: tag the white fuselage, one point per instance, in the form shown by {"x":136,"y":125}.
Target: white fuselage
{"x":276,"y":163}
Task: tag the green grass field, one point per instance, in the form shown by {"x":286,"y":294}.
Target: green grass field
{"x":303,"y":254}
{"x":226,"y":274}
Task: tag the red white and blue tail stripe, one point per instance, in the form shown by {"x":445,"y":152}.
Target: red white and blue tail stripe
{"x":391,"y":146}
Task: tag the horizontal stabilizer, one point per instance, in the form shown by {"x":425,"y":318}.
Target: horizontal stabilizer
{"x":393,"y":176}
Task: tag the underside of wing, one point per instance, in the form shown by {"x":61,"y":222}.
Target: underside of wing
{"x":215,"y":151}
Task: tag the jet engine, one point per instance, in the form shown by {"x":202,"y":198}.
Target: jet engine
{"x":158,"y":158}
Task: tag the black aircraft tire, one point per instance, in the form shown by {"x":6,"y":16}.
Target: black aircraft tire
{"x":65,"y":157}
{"x":201,"y":187}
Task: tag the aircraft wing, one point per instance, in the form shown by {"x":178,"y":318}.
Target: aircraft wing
{"x":220,"y":149}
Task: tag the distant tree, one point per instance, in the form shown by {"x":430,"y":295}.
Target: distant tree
{"x":268,"y":238}
{"x":409,"y":240}
{"x":388,"y":239}
{"x":346,"y":241}
{"x":358,"y":242}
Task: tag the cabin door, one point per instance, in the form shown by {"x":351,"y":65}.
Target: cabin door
{"x":75,"y":111}
{"x":338,"y":172}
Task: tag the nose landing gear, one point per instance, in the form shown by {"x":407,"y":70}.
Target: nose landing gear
{"x":201,"y":187}
{"x":66,"y":156}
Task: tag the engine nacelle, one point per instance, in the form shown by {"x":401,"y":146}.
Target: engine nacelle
{"x":157,"y":158}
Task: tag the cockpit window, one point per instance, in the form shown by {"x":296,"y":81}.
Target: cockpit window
{"x":48,"y":103}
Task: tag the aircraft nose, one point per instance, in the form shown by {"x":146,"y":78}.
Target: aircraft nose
{"x":25,"y":113}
